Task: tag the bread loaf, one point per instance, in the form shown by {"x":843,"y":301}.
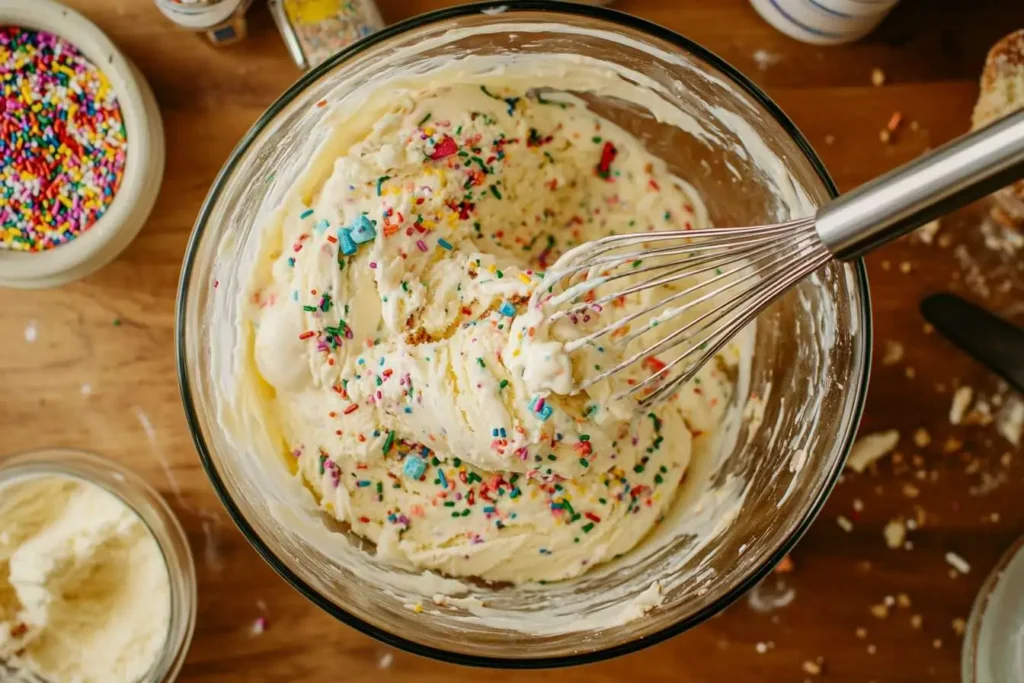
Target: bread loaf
{"x":1002,"y":92}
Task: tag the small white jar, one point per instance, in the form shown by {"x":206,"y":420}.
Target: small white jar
{"x":824,"y":22}
{"x":144,"y":166}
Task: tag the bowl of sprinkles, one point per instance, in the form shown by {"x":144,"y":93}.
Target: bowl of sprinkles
{"x":82,"y":143}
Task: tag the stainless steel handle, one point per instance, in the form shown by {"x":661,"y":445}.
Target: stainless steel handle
{"x":907,"y":197}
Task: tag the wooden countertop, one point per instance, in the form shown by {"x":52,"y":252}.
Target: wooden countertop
{"x":91,"y":366}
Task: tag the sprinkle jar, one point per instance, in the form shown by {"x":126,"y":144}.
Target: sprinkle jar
{"x":314,"y":30}
{"x":83,"y":146}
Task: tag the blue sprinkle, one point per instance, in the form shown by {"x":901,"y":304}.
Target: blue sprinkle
{"x":291,"y":262}
{"x":362,"y":230}
{"x":445,"y":244}
{"x":306,"y":214}
{"x":507,"y":309}
{"x":362,"y":483}
{"x":489,"y":509}
{"x":502,"y":432}
{"x":348,"y":246}
{"x":425,"y":452}
{"x":408,"y":409}
{"x":321,"y":225}
{"x":440,"y":475}
{"x":414,"y":467}
{"x":494,"y":432}
{"x":544,"y":412}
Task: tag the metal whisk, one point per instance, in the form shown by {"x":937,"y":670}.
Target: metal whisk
{"x":724,"y":277}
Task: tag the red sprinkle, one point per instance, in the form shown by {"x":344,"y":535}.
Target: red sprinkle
{"x":604,"y":166}
{"x":351,"y":409}
{"x":307,"y":334}
{"x":445,"y":148}
{"x":591,"y":516}
{"x":653,"y":364}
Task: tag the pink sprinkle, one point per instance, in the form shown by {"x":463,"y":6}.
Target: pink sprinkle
{"x":421,"y":245}
{"x":373,"y":264}
{"x":259,"y":626}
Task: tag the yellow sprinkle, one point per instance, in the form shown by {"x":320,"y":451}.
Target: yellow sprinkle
{"x":429,"y":130}
{"x":515,"y":354}
{"x":418,"y":608}
{"x":524,"y":277}
{"x":492,"y":268}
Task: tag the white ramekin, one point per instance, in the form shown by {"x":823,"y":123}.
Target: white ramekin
{"x":144,"y":166}
{"x":824,"y":22}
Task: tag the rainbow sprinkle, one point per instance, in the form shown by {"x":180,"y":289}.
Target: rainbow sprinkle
{"x":62,"y":141}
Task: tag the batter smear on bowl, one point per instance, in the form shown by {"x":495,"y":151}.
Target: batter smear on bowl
{"x":387,"y":326}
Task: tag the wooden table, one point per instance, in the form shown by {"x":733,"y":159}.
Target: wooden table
{"x":91,"y":365}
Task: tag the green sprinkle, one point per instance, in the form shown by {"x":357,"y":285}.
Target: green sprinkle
{"x":309,"y":309}
{"x":495,"y":191}
{"x":449,"y":503}
{"x":596,"y":139}
{"x":388,"y":442}
{"x":380,"y":182}
{"x":502,"y":384}
{"x":480,"y":362}
{"x":483,"y":167}
{"x":583,"y":461}
{"x":424,"y":119}
{"x":587,"y":527}
{"x":117,"y":322}
{"x":541,"y":100}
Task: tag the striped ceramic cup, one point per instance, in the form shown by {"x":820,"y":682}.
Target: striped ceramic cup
{"x":825,"y":22}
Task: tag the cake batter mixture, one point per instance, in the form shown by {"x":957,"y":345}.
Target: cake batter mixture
{"x":386,"y":324}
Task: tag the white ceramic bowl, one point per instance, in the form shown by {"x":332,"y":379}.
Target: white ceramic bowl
{"x":144,"y":167}
{"x":824,"y":22}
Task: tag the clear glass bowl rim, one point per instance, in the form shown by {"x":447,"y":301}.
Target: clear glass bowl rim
{"x":185,"y":385}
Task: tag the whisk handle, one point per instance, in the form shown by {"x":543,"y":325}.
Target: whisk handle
{"x":932,"y":185}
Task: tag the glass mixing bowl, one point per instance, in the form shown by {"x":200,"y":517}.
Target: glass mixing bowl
{"x":755,"y":497}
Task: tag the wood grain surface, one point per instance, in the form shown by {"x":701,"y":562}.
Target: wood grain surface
{"x":91,"y":365}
